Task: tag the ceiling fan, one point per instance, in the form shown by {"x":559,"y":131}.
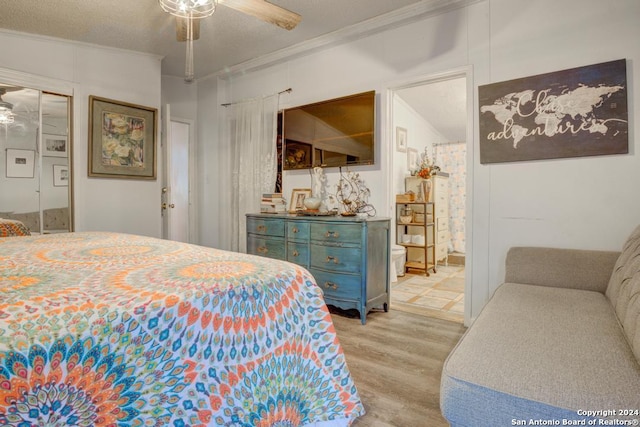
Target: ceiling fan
{"x":189,"y":12}
{"x":6,"y":108}
{"x":19,"y":110}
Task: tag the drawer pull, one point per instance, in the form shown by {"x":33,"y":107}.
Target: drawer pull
{"x":296,"y":253}
{"x":331,"y":285}
{"x":263,"y":249}
{"x":332,"y":258}
{"x":332,"y":234}
{"x":295,"y":229}
{"x":262,"y":228}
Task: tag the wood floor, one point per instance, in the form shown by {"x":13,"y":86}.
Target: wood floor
{"x":396,"y":360}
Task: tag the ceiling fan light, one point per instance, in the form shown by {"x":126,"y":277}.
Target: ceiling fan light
{"x":194,"y":9}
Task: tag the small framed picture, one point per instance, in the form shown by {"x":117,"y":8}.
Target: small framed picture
{"x":297,"y":155}
{"x":401,"y":139}
{"x":297,"y":199}
{"x":412,"y":159}
{"x":54,"y":145}
{"x":60,"y":175}
{"x":20,"y":163}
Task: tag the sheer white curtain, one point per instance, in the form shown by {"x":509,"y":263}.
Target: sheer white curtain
{"x":251,"y":134}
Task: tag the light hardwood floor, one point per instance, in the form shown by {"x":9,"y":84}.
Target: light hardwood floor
{"x":396,"y":361}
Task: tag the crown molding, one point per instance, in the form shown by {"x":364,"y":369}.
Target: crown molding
{"x":34,"y":81}
{"x":76,"y":43}
{"x":396,"y":18}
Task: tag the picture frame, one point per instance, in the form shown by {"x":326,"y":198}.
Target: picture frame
{"x":54,"y":145}
{"x":20,"y":163}
{"x":297,"y":199}
{"x":401,"y":139}
{"x":60,"y":175}
{"x":297,"y":155}
{"x":122,"y":140}
{"x":412,"y":159}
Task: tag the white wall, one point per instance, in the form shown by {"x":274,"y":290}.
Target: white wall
{"x":182,"y":96}
{"x":420,"y":135}
{"x":129,"y":206}
{"x":583,"y":202}
{"x":371,"y":63}
{"x":588,"y":202}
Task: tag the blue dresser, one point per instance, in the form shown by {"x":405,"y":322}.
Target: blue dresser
{"x":348,"y":256}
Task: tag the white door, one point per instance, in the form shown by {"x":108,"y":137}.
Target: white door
{"x":176,"y":197}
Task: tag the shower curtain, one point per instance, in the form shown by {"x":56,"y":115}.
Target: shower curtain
{"x":452,"y":158}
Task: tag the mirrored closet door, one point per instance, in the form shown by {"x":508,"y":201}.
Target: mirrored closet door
{"x":35,"y":145}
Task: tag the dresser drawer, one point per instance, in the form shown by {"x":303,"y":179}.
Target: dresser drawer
{"x":265,"y":227}
{"x":440,"y":185}
{"x":442,"y":236}
{"x":441,"y":252}
{"x":336,"y":233}
{"x":269,"y":247}
{"x":337,"y":286}
{"x":297,"y":230}
{"x":348,"y":257}
{"x":298,"y":253}
{"x":335,"y":258}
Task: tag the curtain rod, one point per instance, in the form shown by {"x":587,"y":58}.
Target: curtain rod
{"x":288,"y":90}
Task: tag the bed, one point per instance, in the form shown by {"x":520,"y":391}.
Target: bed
{"x":107,"y":329}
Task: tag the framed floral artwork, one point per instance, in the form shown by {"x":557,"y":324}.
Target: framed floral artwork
{"x":122,"y":140}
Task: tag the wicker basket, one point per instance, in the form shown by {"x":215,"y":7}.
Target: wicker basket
{"x":405,"y":198}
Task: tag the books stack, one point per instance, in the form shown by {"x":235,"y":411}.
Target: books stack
{"x":273,"y":203}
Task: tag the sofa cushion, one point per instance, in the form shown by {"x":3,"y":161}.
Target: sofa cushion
{"x":539,"y":351}
{"x":624,"y":290}
{"x":589,"y":270}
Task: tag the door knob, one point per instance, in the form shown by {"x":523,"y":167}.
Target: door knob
{"x":165,"y":206}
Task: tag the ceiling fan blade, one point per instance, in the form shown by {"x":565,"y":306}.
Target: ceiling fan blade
{"x":265,"y":11}
{"x":181,"y":29}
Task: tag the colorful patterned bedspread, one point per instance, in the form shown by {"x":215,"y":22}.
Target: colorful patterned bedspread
{"x":103,"y":329}
{"x":9,"y":227}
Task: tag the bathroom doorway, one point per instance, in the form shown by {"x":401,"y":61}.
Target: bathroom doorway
{"x":433,"y":116}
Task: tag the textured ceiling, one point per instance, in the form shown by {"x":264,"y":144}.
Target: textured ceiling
{"x":443,"y":104}
{"x":227,"y":38}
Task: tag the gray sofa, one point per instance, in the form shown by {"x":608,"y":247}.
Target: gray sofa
{"x":559,"y":341}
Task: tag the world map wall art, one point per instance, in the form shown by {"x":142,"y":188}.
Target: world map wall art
{"x":570,"y":113}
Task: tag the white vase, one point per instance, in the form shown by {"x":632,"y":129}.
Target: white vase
{"x":312,"y":203}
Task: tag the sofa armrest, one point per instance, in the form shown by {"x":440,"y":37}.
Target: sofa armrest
{"x":564,"y":268}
